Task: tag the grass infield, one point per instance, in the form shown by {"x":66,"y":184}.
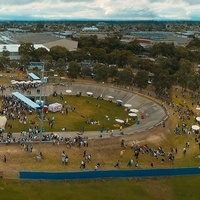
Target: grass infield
{"x":151,"y":189}
{"x":107,"y":152}
{"x":85,"y":108}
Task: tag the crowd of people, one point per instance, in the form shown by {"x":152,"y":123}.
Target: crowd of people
{"x":15,"y":110}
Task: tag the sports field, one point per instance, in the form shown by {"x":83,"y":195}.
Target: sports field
{"x":145,"y":189}
{"x":107,"y":152}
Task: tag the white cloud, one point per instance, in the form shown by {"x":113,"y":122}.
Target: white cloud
{"x":104,"y":9}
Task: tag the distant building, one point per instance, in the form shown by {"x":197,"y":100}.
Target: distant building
{"x":90,"y":29}
{"x":71,"y":45}
{"x":35,"y":65}
{"x":127,"y":38}
{"x":151,"y":35}
{"x":17,"y":30}
{"x":6,"y":40}
{"x":64,"y":34}
{"x":186,"y":34}
{"x":145,"y":43}
{"x":179,"y":39}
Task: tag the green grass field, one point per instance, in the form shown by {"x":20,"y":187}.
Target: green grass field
{"x":106,"y":152}
{"x":85,"y":108}
{"x":183,"y":188}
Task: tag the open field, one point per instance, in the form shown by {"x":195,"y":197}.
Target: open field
{"x":104,"y":151}
{"x":107,"y":152}
{"x":166,"y":189}
{"x":85,"y":108}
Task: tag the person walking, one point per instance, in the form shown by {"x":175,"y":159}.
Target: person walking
{"x":184,"y":151}
{"x":136,"y":164}
{"x":130,"y":163}
{"x":4,"y":159}
{"x":117,"y":164}
{"x":82,"y":165}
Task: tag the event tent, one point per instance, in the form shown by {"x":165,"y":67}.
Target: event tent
{"x":198,"y":119}
{"x":26,"y":100}
{"x":68,"y":91}
{"x":127,"y":105}
{"x":133,"y":110}
{"x":55,"y":107}
{"x":110,"y":97}
{"x":3,"y":121}
{"x":132,"y":114}
{"x":119,"y":120}
{"x":195,"y":127}
{"x":90,"y":94}
{"x":32,"y":76}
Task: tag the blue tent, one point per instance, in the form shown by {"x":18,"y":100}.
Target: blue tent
{"x":33,"y":76}
{"x":26,"y":100}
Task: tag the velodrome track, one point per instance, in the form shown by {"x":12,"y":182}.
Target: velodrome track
{"x":154,"y":113}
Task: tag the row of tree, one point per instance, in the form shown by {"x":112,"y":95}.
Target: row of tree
{"x":113,"y":60}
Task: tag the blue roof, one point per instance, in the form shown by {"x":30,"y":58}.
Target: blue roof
{"x":33,"y":76}
{"x":26,"y":100}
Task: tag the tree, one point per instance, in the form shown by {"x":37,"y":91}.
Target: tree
{"x":97,"y":54}
{"x":125,"y":77}
{"x":74,"y":70}
{"x":194,"y":82}
{"x":2,"y":66}
{"x":112,"y":58}
{"x":25,"y":60}
{"x":101,"y":73}
{"x":14,"y":64}
{"x":161,"y":81}
{"x":26,"y":49}
{"x":85,"y":71}
{"x":181,"y":52}
{"x":5,"y":60}
{"x":119,"y":57}
{"x":40,"y":26}
{"x":40,"y":53}
{"x":6,"y":53}
{"x":60,"y":64}
{"x":144,"y":64}
{"x":141,"y":79}
{"x":133,"y":61}
{"x":47,"y":59}
{"x":184,"y":72}
{"x":58,"y":52}
{"x":112,"y":71}
{"x":87,"y":41}
{"x":162,"y":49}
{"x":169,"y":64}
{"x":123,"y":57}
{"x":110,"y":44}
{"x":195,"y":42}
{"x":135,"y":47}
{"x":80,"y":55}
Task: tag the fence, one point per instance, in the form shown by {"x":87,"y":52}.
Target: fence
{"x":138,"y":173}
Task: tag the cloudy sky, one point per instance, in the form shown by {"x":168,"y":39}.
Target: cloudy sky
{"x":100,"y":9}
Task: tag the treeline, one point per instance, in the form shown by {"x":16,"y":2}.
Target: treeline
{"x":110,"y":59}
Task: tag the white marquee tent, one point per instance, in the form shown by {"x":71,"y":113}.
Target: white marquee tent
{"x":55,"y":107}
{"x":3,"y":121}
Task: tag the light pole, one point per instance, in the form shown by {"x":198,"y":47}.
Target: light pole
{"x":42,"y":115}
